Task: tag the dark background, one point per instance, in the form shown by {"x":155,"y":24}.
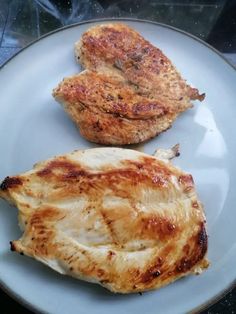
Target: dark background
{"x":22,"y":21}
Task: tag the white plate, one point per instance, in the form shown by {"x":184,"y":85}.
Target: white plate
{"x":33,"y":127}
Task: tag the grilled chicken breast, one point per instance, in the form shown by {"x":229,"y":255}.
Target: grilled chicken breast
{"x":131,"y":92}
{"x":117,"y":217}
{"x":107,"y":110}
{"x":119,"y":47}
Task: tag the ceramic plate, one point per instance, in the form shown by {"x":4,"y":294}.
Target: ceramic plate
{"x":34,"y":127}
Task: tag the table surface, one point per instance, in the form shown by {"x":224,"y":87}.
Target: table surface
{"x":23,"y":21}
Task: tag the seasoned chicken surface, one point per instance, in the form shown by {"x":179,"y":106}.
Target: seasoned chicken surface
{"x":130,"y":92}
{"x":107,"y":110}
{"x":119,"y":47}
{"x":117,"y":217}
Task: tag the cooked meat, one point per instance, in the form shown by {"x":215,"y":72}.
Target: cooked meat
{"x":109,"y":95}
{"x":132,"y":91}
{"x":119,"y":48}
{"x":107,"y":110}
{"x":117,"y":217}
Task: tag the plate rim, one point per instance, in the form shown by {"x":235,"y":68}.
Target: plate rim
{"x":222,"y":293}
{"x":122,"y":19}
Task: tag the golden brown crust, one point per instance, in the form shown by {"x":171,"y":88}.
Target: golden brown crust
{"x":113,"y":216}
{"x":119,"y":46}
{"x":109,"y":111}
{"x":109,"y":95}
{"x":127,"y":81}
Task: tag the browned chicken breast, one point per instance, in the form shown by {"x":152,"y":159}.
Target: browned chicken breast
{"x":117,"y":217}
{"x":107,"y":110}
{"x":119,"y":47}
{"x":135,"y":94}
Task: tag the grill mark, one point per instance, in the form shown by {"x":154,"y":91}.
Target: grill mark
{"x":44,"y":172}
{"x":146,"y":170}
{"x":64,"y":165}
{"x":196,"y":253}
{"x":202,"y":240}
{"x":41,"y":231}
{"x":108,"y":223}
